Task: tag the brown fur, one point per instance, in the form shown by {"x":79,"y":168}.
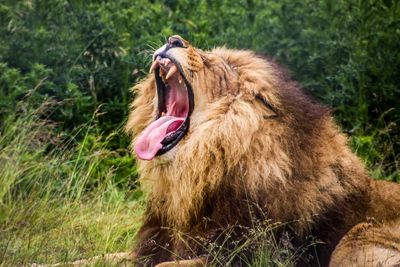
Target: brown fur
{"x":369,"y":244}
{"x":257,"y":147}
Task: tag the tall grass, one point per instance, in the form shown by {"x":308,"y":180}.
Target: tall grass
{"x":60,"y":199}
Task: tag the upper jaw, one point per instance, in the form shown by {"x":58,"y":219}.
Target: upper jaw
{"x":168,"y":67}
{"x":167,"y":71}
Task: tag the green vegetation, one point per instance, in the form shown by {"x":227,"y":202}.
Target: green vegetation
{"x":60,"y":200}
{"x":68,"y":186}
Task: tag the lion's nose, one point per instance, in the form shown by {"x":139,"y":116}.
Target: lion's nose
{"x":176,"y":41}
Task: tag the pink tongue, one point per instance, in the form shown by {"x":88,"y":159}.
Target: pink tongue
{"x":149,"y":142}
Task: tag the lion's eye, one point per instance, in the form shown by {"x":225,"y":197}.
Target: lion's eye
{"x":177,"y":43}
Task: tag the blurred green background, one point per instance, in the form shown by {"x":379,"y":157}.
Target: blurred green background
{"x":66,"y":68}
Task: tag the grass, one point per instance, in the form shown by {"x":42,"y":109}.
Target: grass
{"x":61,"y":200}
{"x":45,"y":232}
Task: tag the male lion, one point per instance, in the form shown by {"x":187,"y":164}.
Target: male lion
{"x":224,"y":139}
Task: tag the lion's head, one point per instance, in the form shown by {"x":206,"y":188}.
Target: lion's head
{"x":229,"y":117}
{"x":188,"y":81}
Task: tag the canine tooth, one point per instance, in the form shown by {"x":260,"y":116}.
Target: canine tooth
{"x":154,"y":65}
{"x":180,"y":79}
{"x":171,"y":72}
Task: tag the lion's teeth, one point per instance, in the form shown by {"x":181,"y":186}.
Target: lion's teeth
{"x":171,"y":72}
{"x":180,"y":79}
{"x":153,"y":66}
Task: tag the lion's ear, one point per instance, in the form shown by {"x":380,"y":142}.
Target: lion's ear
{"x":269,"y":109}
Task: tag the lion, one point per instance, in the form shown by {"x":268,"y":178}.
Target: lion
{"x":224,"y":138}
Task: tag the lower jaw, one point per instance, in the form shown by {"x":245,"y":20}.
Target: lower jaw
{"x":180,"y":133}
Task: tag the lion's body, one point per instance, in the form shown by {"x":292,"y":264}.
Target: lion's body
{"x":241,"y":161}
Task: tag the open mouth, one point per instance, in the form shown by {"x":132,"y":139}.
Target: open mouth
{"x":175,"y":104}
